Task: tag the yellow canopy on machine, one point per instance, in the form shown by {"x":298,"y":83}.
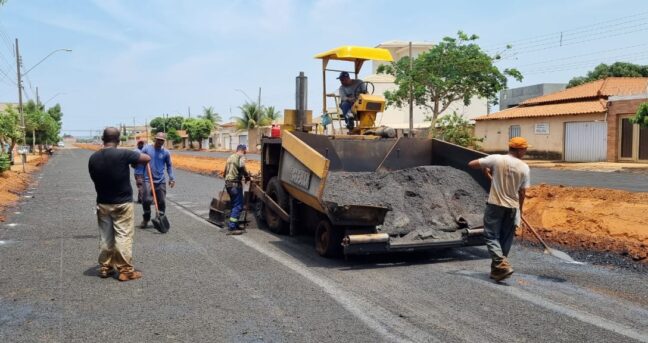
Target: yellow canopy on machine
{"x":355,"y":53}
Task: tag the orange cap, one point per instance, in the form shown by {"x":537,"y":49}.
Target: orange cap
{"x":518,"y":143}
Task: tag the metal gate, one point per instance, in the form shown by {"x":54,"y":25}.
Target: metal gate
{"x":585,"y":141}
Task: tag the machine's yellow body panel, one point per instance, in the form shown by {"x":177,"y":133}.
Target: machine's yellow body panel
{"x":312,"y":159}
{"x":290,"y":120}
{"x":354,"y":53}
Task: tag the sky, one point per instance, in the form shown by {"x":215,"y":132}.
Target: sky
{"x":134,"y":60}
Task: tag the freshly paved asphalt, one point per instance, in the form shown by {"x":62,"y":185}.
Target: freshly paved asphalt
{"x":201,"y":285}
{"x":627,"y":181}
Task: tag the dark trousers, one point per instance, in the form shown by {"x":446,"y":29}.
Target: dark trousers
{"x":236,"y":201}
{"x":499,"y":227}
{"x":139,"y":182}
{"x":346,"y":106}
{"x":147,"y":199}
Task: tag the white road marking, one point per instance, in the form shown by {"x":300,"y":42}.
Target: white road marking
{"x":558,"y":308}
{"x":384,"y":322}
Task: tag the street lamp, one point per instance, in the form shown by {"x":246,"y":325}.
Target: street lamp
{"x":243,"y":92}
{"x":20,"y":104}
{"x":52,"y":98}
{"x":44,"y":58}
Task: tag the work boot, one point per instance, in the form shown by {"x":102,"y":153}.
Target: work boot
{"x":105,"y":272}
{"x":127,"y":276}
{"x":144,"y":224}
{"x":500,"y":270}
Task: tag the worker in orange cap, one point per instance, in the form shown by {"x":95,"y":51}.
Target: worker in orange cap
{"x":510,"y":177}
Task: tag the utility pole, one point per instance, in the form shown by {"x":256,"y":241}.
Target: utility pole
{"x":259,"y":101}
{"x":189,"y":111}
{"x":411,"y":96}
{"x":20,"y":105}
{"x":37,"y":97}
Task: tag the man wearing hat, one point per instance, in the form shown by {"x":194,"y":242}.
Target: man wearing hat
{"x":349,"y":91}
{"x":160,"y":161}
{"x":234,"y":173}
{"x":510,"y":177}
{"x":139,"y":171}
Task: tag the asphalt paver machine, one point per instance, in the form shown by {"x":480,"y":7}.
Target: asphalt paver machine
{"x":290,"y":194}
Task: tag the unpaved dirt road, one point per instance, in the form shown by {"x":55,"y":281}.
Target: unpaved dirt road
{"x":203,"y":286}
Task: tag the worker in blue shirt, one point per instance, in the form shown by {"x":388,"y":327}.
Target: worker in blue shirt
{"x":160,"y":160}
{"x":139,"y":172}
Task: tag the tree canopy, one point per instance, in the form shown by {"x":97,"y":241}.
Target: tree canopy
{"x":164,"y":124}
{"x":44,"y":125}
{"x":456,"y":129}
{"x":10,"y":132}
{"x":211,"y":115}
{"x":272,"y":113}
{"x":252,"y":116}
{"x":456,"y":69}
{"x":198,"y":129}
{"x":616,"y":69}
{"x":641,"y":117}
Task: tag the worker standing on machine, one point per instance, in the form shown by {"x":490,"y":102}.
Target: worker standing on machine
{"x":234,"y":173}
{"x":510,"y":177}
{"x":349,"y":91}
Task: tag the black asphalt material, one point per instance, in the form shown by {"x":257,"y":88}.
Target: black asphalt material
{"x":626,"y":181}
{"x":202,"y":286}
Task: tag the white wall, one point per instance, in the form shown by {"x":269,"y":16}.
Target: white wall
{"x":399,"y":117}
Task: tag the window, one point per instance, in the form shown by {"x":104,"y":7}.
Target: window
{"x":515,"y":131}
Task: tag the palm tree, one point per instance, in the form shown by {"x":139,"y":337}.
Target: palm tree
{"x":211,"y":115}
{"x":273,"y":114}
{"x":252,"y":117}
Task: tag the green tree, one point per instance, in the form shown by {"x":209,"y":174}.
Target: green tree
{"x":55,"y":113}
{"x":162,"y":124}
{"x":456,"y":69}
{"x":198,"y":130}
{"x":10,"y":132}
{"x":211,"y":115}
{"x":174,"y":136}
{"x":456,"y":129}
{"x":616,"y":69}
{"x":641,"y":117}
{"x":272,"y":114}
{"x":252,"y":117}
{"x":44,"y":128}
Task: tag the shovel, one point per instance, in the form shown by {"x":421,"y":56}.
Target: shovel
{"x":160,"y":222}
{"x":553,"y":252}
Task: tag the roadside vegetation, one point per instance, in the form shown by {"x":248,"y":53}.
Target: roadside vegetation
{"x":617,"y":69}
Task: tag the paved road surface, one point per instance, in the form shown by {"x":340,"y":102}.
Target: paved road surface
{"x":201,"y":285}
{"x":634,"y":182}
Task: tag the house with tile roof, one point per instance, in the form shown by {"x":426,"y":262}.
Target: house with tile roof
{"x":589,"y":122}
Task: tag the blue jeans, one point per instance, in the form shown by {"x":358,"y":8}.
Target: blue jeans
{"x":499,"y":227}
{"x":346,"y":106}
{"x":236,"y":200}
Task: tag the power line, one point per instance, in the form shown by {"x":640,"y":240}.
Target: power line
{"x":566,"y":39}
{"x":573,"y":43}
{"x":582,"y":55}
{"x":4,"y":37}
{"x":569,"y":31}
{"x":638,"y":57}
{"x":11,"y":80}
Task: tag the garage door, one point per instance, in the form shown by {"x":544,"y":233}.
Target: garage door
{"x":585,"y":141}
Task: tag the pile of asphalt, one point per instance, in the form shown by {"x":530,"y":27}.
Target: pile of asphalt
{"x":424,"y":202}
